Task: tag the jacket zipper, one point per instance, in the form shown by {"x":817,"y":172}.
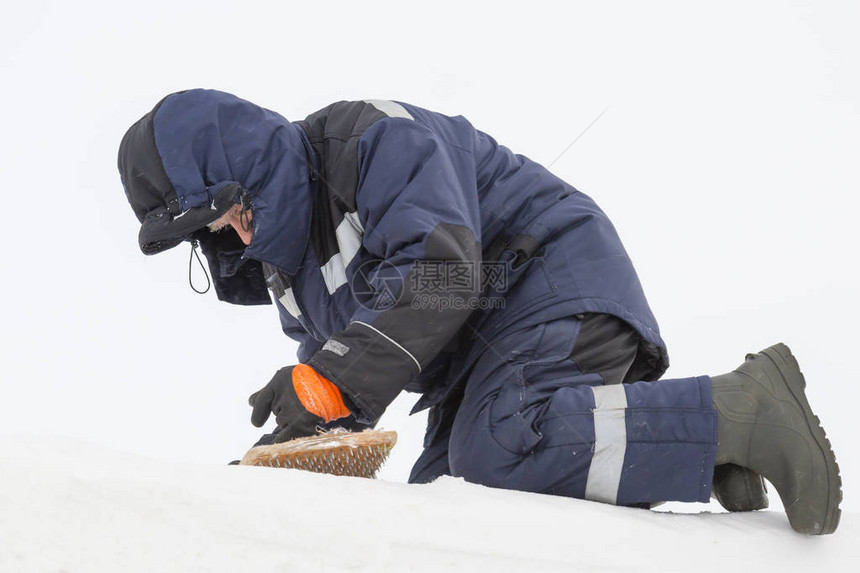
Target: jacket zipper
{"x":306,"y":320}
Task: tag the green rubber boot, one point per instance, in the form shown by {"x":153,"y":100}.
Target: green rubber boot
{"x":764,"y":423}
{"x":739,"y":489}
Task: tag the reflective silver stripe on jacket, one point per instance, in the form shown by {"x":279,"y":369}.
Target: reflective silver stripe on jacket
{"x":348,"y":234}
{"x":389,"y":108}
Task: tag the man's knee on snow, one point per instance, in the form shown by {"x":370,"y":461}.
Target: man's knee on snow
{"x":492,"y":453}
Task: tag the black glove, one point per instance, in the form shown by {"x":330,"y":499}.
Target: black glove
{"x":279,"y":397}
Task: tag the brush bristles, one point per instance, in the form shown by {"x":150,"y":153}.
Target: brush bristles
{"x":340,"y":453}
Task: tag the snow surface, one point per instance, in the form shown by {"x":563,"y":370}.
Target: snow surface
{"x":67,"y":505}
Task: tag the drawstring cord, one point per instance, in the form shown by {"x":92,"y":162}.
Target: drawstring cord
{"x":244,"y":221}
{"x":244,"y":217}
{"x":194,"y":245}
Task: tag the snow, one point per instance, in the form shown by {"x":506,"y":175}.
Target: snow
{"x":68,"y":505}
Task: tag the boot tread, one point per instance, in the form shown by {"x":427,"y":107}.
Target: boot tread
{"x":795,"y":381}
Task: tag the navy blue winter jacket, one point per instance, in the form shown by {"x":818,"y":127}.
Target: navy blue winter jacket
{"x":386,"y":233}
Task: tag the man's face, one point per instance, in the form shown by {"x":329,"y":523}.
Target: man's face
{"x":234,"y":218}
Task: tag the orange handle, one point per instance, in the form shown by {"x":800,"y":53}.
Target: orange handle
{"x":318,"y":395}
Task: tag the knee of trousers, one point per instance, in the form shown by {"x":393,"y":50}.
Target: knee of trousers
{"x":477,"y":454}
{"x":503,"y":447}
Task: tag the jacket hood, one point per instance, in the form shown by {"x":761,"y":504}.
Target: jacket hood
{"x":197,"y":152}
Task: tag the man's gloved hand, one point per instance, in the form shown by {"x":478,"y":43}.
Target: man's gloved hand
{"x":301,"y":400}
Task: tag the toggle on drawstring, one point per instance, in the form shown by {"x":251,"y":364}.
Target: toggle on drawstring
{"x":194,"y":245}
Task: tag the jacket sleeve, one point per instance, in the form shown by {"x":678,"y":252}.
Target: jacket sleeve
{"x":417,"y":200}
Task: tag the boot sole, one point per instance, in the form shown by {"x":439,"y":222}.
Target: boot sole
{"x":789,"y":369}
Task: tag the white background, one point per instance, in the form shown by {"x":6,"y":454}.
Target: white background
{"x":727,"y":160}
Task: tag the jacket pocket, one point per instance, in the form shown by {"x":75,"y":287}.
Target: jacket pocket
{"x":524,"y":282}
{"x":512,"y":427}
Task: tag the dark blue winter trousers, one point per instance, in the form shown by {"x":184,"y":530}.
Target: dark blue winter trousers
{"x":545,"y":410}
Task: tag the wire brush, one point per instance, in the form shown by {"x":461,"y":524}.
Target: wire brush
{"x":339,"y":452}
